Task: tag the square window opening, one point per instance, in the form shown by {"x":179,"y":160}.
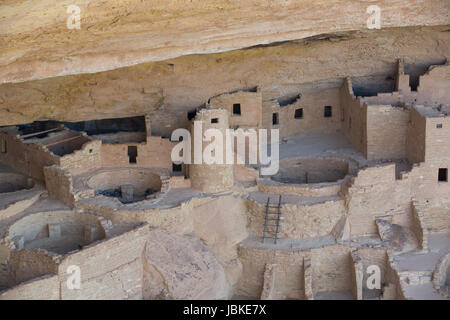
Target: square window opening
{"x":298,"y":113}
{"x":215,"y":120}
{"x":327,"y":112}
{"x":176,"y":167}
{"x":191,"y":114}
{"x":439,"y":126}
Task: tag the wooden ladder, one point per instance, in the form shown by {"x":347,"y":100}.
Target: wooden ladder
{"x":272,"y":220}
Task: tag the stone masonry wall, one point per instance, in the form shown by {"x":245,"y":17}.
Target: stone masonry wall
{"x":59,"y":184}
{"x":353,"y":117}
{"x":386,"y":132}
{"x":313,"y":121}
{"x":111,"y":269}
{"x":415,"y":144}
{"x":250,"y":107}
{"x":43,"y":288}
{"x":299,"y":221}
{"x":29,"y":159}
{"x":155,"y":153}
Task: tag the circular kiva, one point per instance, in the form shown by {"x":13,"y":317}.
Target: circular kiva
{"x":128,"y":185}
{"x":57,"y":231}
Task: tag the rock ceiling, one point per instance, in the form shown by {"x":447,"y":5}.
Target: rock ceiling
{"x":35,"y":42}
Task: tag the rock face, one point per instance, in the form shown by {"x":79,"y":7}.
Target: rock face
{"x":181,"y":267}
{"x":168,"y":89}
{"x":398,"y":238}
{"x":37,"y":43}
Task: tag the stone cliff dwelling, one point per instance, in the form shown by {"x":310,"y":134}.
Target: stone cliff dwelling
{"x":87,"y":178}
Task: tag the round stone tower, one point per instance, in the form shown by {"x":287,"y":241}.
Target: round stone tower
{"x":210,"y":178}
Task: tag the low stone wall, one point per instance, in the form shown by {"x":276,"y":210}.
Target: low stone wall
{"x":288,"y":276}
{"x":26,"y":265}
{"x":267,"y":185}
{"x":441,"y":276}
{"x":418,"y":226}
{"x":299,"y":221}
{"x":111,"y":269}
{"x":43,"y":288}
{"x":59,"y":184}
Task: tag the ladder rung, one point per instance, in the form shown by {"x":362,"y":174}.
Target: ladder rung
{"x":272,"y":228}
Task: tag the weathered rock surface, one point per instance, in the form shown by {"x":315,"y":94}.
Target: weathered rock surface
{"x":398,"y":238}
{"x":221,"y":224}
{"x":168,"y":89}
{"x":36,"y":43}
{"x":181,"y":267}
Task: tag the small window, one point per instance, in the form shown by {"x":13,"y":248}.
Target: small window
{"x":275,"y":120}
{"x":327,"y":112}
{"x":215,"y":120}
{"x":132,"y":154}
{"x":443,"y":175}
{"x":3,"y":146}
{"x":237,"y":109}
{"x":90,"y":150}
{"x":298,"y":113}
{"x":191,"y":115}
{"x":439,"y":126}
{"x":176,"y":167}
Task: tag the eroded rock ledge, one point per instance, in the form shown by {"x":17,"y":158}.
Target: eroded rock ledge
{"x":170,"y":88}
{"x":36,"y":43}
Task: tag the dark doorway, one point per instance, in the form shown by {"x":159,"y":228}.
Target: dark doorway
{"x":275,"y":120}
{"x":237,"y":109}
{"x":132,"y":154}
{"x":3,"y":146}
{"x":327,"y":112}
{"x":298,"y":113}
